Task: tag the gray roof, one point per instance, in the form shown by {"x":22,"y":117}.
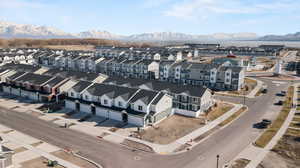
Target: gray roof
{"x":81,"y":85}
{"x":145,"y":96}
{"x":34,"y":78}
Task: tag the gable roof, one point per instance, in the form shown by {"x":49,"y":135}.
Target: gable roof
{"x":145,"y":96}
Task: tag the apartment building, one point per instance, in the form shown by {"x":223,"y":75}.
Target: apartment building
{"x":216,"y":77}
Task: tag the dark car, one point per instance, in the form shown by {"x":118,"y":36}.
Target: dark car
{"x":279,"y":103}
{"x":260,"y":125}
{"x":264,"y":91}
{"x":263,"y":124}
{"x":267,"y":121}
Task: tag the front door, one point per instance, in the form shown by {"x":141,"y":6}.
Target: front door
{"x":125,"y":117}
{"x":77,"y":106}
{"x":93,"y":110}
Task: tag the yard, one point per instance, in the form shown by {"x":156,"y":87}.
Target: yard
{"x":171,"y":129}
{"x":37,"y":163}
{"x":218,"y":110}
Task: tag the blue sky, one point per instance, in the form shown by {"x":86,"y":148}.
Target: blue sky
{"x":139,"y":16}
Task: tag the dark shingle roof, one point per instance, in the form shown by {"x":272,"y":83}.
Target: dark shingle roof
{"x":145,"y":96}
{"x":34,"y":78}
{"x":81,"y":85}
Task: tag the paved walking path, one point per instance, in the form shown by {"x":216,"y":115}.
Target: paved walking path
{"x":261,"y":155}
{"x":256,"y":89}
{"x":39,"y":152}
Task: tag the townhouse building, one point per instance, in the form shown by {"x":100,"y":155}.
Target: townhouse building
{"x":187,"y":100}
{"x":33,"y":86}
{"x":216,"y":77}
{"x":130,"y":105}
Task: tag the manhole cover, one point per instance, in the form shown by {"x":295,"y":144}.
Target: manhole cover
{"x":137,"y":158}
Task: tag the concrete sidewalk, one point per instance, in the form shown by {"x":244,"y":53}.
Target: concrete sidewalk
{"x":261,"y":154}
{"x":38,"y":151}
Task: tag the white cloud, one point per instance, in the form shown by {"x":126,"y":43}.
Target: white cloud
{"x":191,"y":9}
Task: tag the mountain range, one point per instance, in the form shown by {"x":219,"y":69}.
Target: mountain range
{"x":13,"y":30}
{"x":287,"y":37}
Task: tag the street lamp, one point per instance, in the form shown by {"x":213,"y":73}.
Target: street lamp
{"x":218,"y":156}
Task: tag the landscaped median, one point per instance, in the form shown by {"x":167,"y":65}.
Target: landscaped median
{"x":233,"y":117}
{"x":266,"y":137}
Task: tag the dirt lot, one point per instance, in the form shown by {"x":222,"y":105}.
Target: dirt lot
{"x":240,"y":163}
{"x":71,"y":47}
{"x":72,"y":159}
{"x":37,"y":163}
{"x":286,"y":154}
{"x":171,"y":129}
{"x":218,"y":110}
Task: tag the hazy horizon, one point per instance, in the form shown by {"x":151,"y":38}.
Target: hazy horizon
{"x":200,"y":17}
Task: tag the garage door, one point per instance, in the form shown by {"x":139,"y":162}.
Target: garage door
{"x":70,"y":105}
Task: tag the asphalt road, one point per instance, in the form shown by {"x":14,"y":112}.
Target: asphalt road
{"x":228,"y":142}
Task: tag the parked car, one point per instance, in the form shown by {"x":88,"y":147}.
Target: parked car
{"x":279,"y":103}
{"x":263,"y":124}
{"x":264,"y":91}
{"x":267,"y":121}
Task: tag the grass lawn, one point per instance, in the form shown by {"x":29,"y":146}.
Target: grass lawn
{"x":219,"y":110}
{"x":265,"y":138}
{"x":232,"y":117}
{"x":171,"y":129}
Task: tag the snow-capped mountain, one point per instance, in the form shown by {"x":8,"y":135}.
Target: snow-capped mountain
{"x":98,"y":34}
{"x":9,"y":30}
{"x":13,"y":30}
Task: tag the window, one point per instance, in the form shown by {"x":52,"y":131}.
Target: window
{"x":72,"y":94}
{"x":140,"y":108}
{"x":120,"y":104}
{"x":227,"y":80}
{"x":86,"y":97}
{"x":105,"y":101}
{"x":227,"y":74}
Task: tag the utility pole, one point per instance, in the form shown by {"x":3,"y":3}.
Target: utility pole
{"x":218,"y":156}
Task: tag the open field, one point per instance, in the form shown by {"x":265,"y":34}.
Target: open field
{"x":171,"y":129}
{"x":288,"y":148}
{"x":71,"y":47}
{"x":265,"y":138}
